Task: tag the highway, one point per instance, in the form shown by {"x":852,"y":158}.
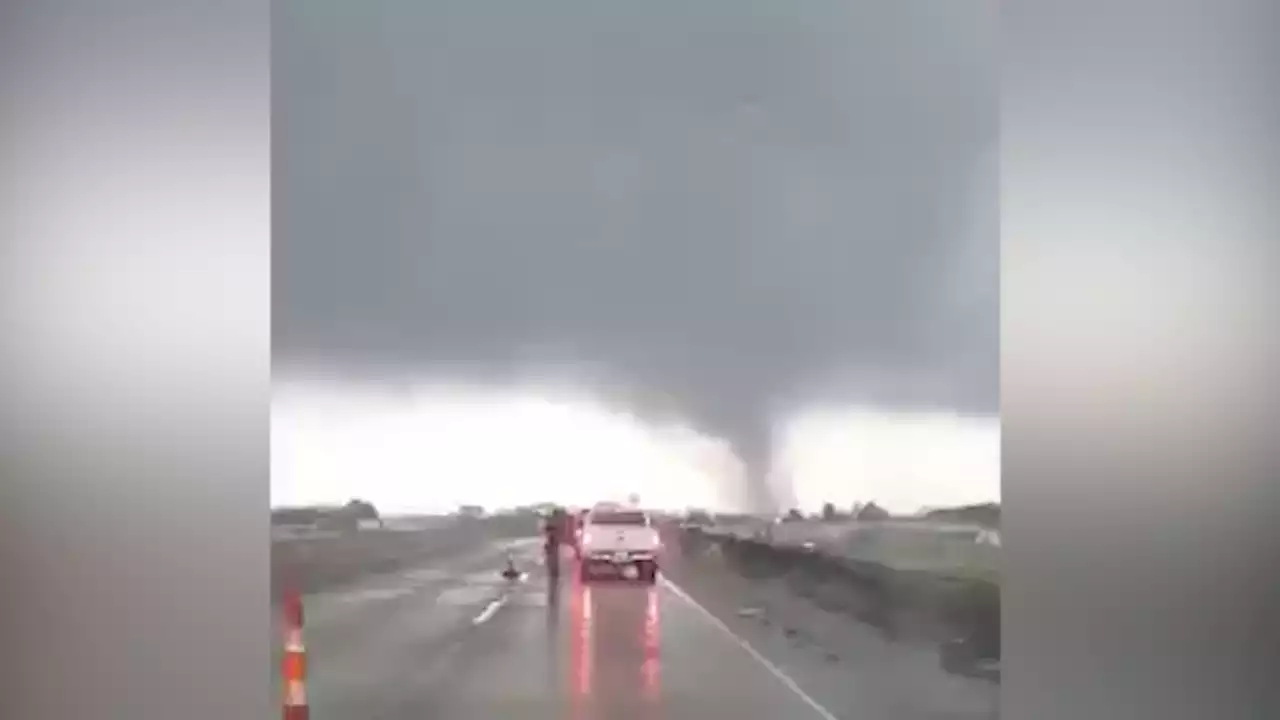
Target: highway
{"x":455,"y":640}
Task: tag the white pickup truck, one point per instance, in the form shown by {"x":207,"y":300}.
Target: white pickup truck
{"x":620,"y":542}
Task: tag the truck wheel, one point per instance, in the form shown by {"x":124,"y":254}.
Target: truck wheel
{"x":648,"y":572}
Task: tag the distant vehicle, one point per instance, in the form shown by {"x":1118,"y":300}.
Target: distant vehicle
{"x":571,"y":531}
{"x":578,"y":521}
{"x":620,"y":542}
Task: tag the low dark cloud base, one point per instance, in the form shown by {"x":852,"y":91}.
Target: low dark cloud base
{"x":740,"y":209}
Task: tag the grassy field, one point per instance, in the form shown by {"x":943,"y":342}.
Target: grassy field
{"x":910,"y":545}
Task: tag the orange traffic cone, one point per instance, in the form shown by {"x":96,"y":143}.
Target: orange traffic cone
{"x":295,"y":661}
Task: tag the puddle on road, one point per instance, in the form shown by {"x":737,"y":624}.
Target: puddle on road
{"x":537,"y":599}
{"x":467,"y":595}
{"x":426,"y":575}
{"x":493,"y":579}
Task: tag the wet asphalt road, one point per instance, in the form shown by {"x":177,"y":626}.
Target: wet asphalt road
{"x":456,"y":641}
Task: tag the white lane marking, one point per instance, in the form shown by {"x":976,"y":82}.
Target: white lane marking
{"x":373,"y":595}
{"x":490,"y":609}
{"x":774,"y":670}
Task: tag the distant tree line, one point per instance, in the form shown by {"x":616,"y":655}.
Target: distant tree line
{"x":984,"y":514}
{"x":344,"y":518}
{"x":831,"y":513}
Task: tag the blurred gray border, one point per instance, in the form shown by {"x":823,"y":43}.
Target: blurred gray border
{"x":135,"y":280}
{"x":1138,"y":353}
{"x":1139,"y":339}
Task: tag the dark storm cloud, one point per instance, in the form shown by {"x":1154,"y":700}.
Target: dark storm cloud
{"x":736,"y":202}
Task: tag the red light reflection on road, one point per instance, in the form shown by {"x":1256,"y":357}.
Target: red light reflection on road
{"x":581,"y":612}
{"x":651,"y":670}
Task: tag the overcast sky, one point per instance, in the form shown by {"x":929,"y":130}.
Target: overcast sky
{"x":745,"y":205}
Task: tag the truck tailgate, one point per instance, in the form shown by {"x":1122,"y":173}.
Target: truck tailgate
{"x":609,"y":539}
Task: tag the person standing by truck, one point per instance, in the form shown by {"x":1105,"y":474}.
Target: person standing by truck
{"x":551,"y":546}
